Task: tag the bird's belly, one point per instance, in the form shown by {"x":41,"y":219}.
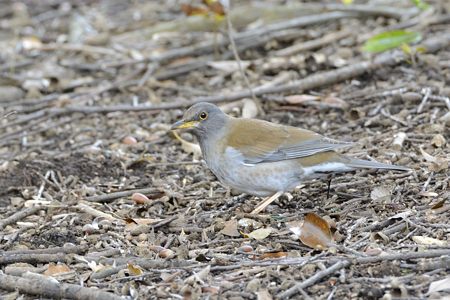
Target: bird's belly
{"x":262,"y":179}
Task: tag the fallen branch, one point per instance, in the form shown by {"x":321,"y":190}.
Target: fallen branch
{"x":50,"y":288}
{"x":19,"y":216}
{"x":343,"y":263}
{"x":313,"y":279}
{"x":112,"y":196}
{"x":314,"y":81}
{"x":67,"y":249}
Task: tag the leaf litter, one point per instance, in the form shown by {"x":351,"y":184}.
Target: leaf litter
{"x":59,"y":57}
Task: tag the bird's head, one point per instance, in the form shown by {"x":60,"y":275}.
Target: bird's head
{"x":202,"y":119}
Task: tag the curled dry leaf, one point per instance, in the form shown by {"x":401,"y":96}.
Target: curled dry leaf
{"x":189,"y":147}
{"x":55,"y":269}
{"x":438,"y":141}
{"x":230,"y":228}
{"x":313,"y":232}
{"x":436,"y":164}
{"x":425,"y":240}
{"x":166,"y":254}
{"x":134,"y":270}
{"x":250,"y":109}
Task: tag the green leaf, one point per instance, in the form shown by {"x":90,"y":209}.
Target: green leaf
{"x":420,"y":4}
{"x":390,"y":39}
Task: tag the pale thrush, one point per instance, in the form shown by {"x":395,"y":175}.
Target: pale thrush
{"x":261,"y":158}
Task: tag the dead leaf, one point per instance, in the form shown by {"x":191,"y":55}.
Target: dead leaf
{"x":230,"y":228}
{"x":313,"y":232}
{"x":439,"y":285}
{"x":334,"y":102}
{"x":134,"y":270}
{"x":55,"y":269}
{"x":249,"y":110}
{"x":260,"y":234}
{"x":439,"y":204}
{"x":133,"y":223}
{"x":436,"y":164}
{"x":381,"y":194}
{"x":272,"y":255}
{"x":438,"y":141}
{"x":94,"y":267}
{"x":425,"y":240}
{"x":189,"y":147}
{"x":190,"y":10}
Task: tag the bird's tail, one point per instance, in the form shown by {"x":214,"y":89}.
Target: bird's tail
{"x":367,"y":164}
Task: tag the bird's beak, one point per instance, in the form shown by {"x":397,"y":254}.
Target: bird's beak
{"x":182,"y":124}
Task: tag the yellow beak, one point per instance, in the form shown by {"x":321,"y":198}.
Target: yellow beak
{"x":184,"y":125}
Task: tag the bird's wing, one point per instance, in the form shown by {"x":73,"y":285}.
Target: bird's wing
{"x":259,"y":141}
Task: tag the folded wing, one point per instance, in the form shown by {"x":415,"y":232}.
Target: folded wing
{"x":261,"y":141}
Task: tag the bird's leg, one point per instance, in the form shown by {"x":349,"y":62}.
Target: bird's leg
{"x":263,"y":204}
{"x":330,"y":177}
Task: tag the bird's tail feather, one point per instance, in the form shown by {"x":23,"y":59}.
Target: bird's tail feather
{"x":367,"y":164}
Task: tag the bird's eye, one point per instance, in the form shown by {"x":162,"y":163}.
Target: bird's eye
{"x":203,"y":115}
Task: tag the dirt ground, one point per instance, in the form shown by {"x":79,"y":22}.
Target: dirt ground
{"x":89,"y":89}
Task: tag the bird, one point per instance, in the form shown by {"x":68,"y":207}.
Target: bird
{"x":262,"y":158}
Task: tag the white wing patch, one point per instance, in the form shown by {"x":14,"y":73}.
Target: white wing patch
{"x":327,"y":167}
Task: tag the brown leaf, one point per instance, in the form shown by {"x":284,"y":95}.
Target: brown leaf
{"x":439,"y":204}
{"x":314,"y":232}
{"x":272,"y":255}
{"x":230,"y":228}
{"x":216,"y":7}
{"x":190,"y":10}
{"x":54,"y":269}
